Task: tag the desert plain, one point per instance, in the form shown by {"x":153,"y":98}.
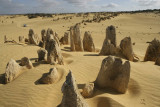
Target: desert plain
{"x":144,"y":84}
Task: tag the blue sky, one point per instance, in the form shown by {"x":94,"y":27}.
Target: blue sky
{"x":63,"y":6}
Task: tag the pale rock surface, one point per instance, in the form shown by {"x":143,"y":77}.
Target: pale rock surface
{"x":12,"y":71}
{"x":114,"y":74}
{"x":71,"y":94}
{"x":88,"y":43}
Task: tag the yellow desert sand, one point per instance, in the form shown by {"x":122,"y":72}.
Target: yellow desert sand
{"x":144,"y":84}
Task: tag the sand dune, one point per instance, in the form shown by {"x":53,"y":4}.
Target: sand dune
{"x":144,"y":84}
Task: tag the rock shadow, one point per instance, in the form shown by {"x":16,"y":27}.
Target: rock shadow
{"x":2,"y":78}
{"x":91,"y":55}
{"x":67,"y":49}
{"x":107,"y":102}
{"x":134,"y":88}
{"x":35,"y":64}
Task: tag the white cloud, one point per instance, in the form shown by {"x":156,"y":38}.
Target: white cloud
{"x":47,"y":3}
{"x":148,"y":2}
{"x":79,"y":2}
{"x":110,"y":5}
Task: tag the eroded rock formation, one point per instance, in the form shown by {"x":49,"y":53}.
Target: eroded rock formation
{"x":42,"y":54}
{"x":33,"y":38}
{"x":126,"y":48}
{"x":54,"y":53}
{"x":88,"y":90}
{"x":50,"y":77}
{"x":71,"y":95}
{"x":153,"y":51}
{"x":88,"y":44}
{"x":21,"y":39}
{"x":26,"y":62}
{"x":12,"y":71}
{"x":75,"y":38}
{"x":114,"y":74}
{"x":109,"y":44}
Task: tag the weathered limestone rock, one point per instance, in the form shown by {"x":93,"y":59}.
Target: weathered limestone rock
{"x":126,"y":48}
{"x":51,"y":77}
{"x":66,"y":38}
{"x":111,"y":34}
{"x":75,"y":35}
{"x":26,"y":62}
{"x":157,"y":62}
{"x":42,"y":54}
{"x":153,"y":51}
{"x":33,"y":38}
{"x":50,"y":35}
{"x":72,"y":39}
{"x":108,"y":48}
{"x":71,"y":95}
{"x":41,"y":44}
{"x":54,"y":53}
{"x":5,"y":39}
{"x":88,"y":90}
{"x":56,"y":39}
{"x":21,"y":39}
{"x":114,"y":74}
{"x":56,"y":34}
{"x":43,"y":34}
{"x":12,"y":71}
{"x":109,"y":44}
{"x":88,"y":44}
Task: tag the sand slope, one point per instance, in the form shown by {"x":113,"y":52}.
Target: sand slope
{"x":144,"y":85}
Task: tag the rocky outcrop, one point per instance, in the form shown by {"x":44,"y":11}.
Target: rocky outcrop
{"x":50,"y":77}
{"x":75,"y":35}
{"x":153,"y":51}
{"x":12,"y":71}
{"x":108,"y":48}
{"x":33,"y":38}
{"x":157,"y":62}
{"x":109,"y":44}
{"x":88,"y":90}
{"x":42,"y":54}
{"x":54,"y":53}
{"x":71,"y":95}
{"x":88,"y":44}
{"x":65,"y":39}
{"x":126,"y":48}
{"x":21,"y":39}
{"x":43,"y":34}
{"x":26,"y":62}
{"x":111,"y":35}
{"x":114,"y":74}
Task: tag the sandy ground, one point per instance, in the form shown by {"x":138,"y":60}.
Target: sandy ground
{"x":144,"y":85}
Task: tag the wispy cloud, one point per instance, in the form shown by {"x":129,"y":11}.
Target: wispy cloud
{"x":79,"y":2}
{"x":110,"y":5}
{"x":147,"y":2}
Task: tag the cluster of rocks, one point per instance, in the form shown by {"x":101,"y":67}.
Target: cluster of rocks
{"x":98,"y":18}
{"x":76,"y":41}
{"x":153,"y":52}
{"x":114,"y":74}
{"x":52,"y":47}
{"x":110,"y":45}
{"x":13,"y":69}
